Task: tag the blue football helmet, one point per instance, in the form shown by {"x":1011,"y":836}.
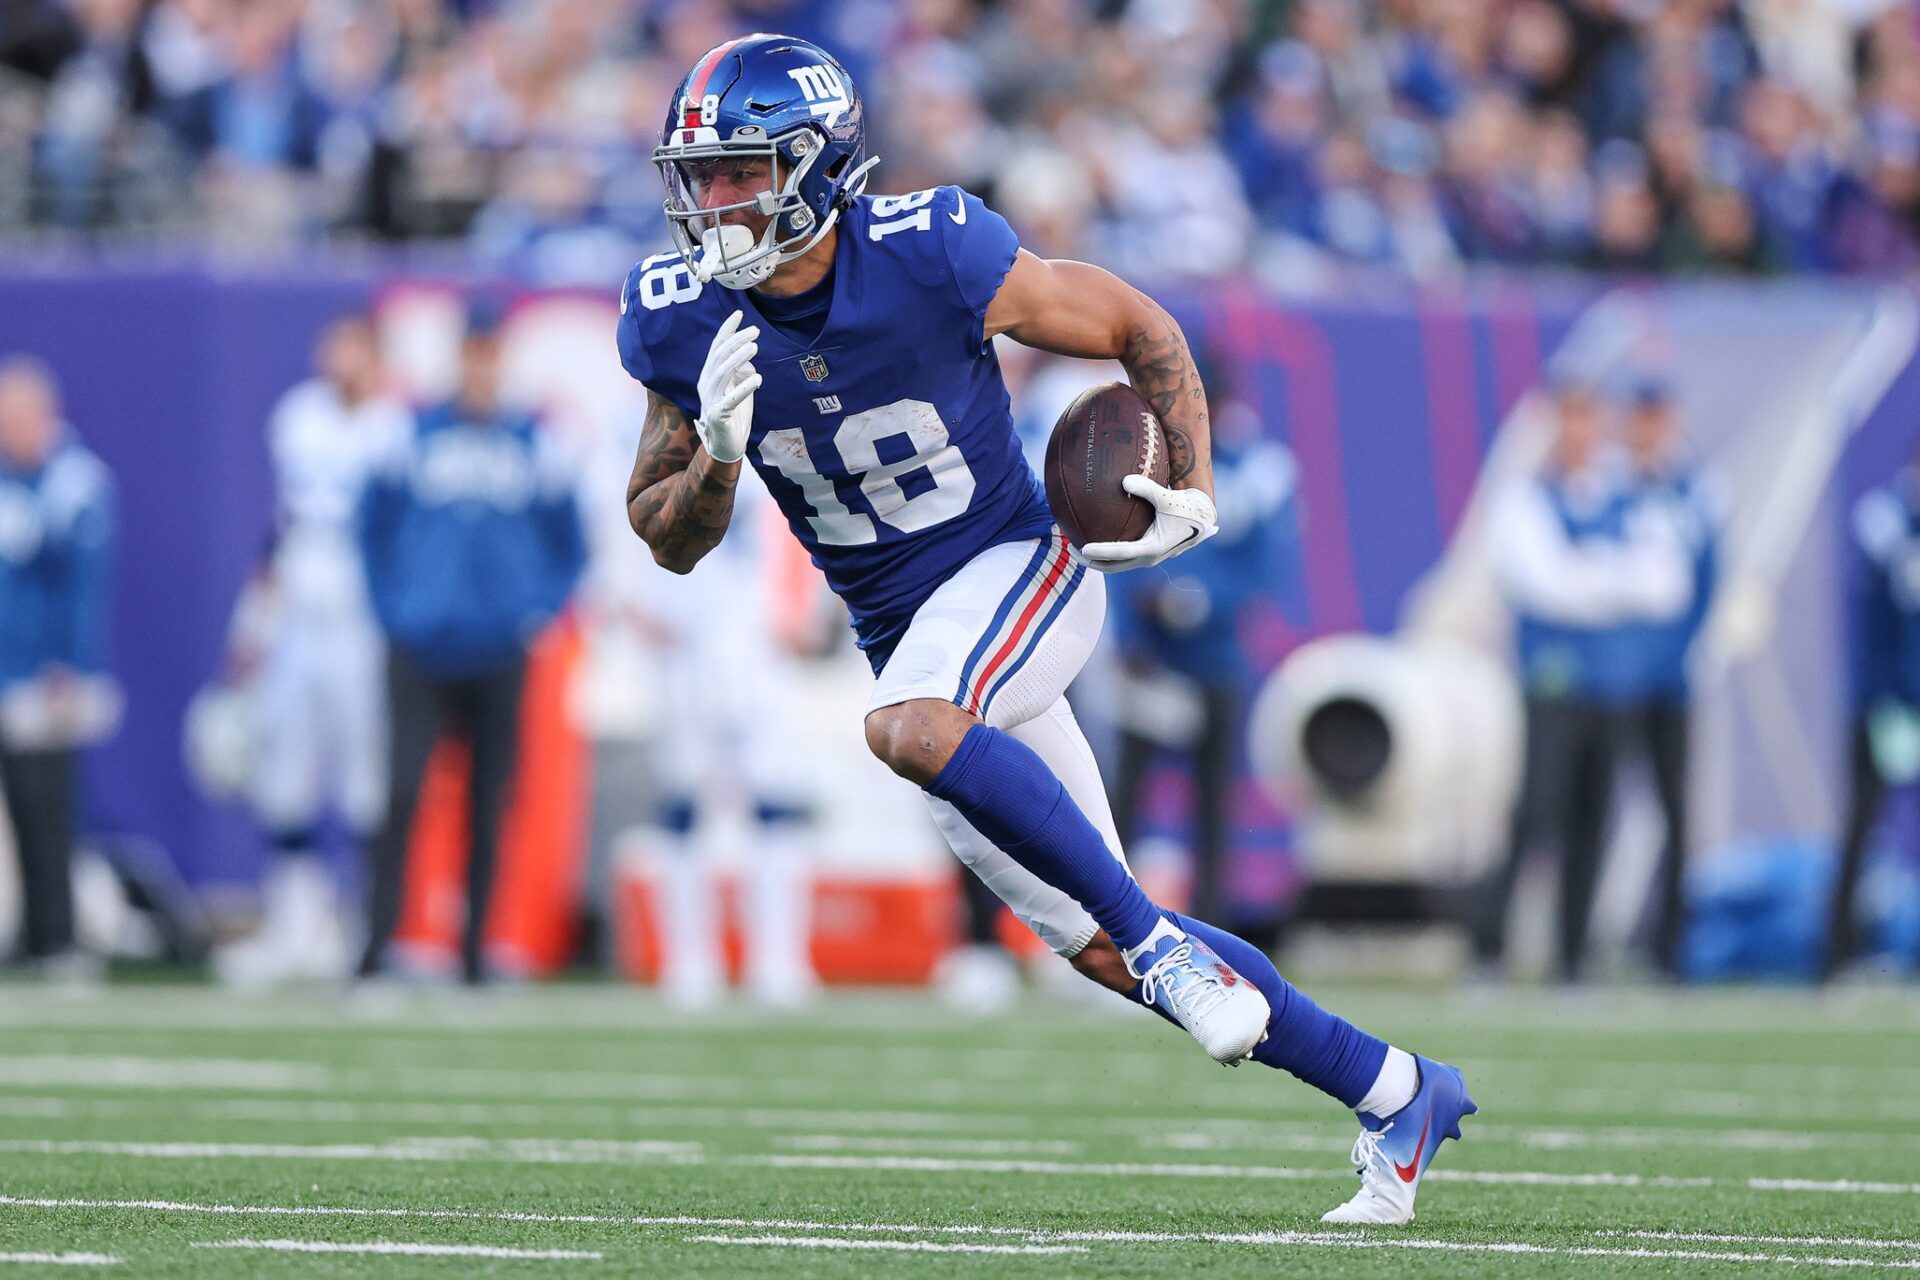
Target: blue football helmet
{"x":772,"y":98}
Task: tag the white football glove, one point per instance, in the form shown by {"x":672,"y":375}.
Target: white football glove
{"x":727,"y":383}
{"x":1183,"y":519}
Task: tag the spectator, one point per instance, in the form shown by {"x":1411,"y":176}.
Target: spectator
{"x":724,"y":663}
{"x":88,"y":106}
{"x":1559,"y":190}
{"x":1626,"y":217}
{"x":407,"y":118}
{"x":1871,"y":218}
{"x":1790,"y":173}
{"x":1669,"y":485}
{"x":1487,"y":145}
{"x":258,"y":129}
{"x":1574,"y":564}
{"x":1273,"y":138}
{"x":1716,"y":234}
{"x":472,"y":542}
{"x":56,"y":543}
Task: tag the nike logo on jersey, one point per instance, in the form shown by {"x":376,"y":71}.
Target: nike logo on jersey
{"x":1411,"y":1170}
{"x":959,"y":213}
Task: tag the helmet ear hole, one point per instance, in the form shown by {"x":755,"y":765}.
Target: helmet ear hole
{"x":838,"y":167}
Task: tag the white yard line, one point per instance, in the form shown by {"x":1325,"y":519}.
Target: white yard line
{"x":395,"y":1246}
{"x":1228,"y":1099}
{"x":1038,"y":1237}
{"x":533,"y":1113}
{"x":936,"y":1164}
{"x":1707,"y":1237}
{"x":954,"y":1146}
{"x":579,"y":1151}
{"x":509,"y":1151}
{"x":121,"y":1071}
{"x":1327,"y":1240}
{"x":1217,"y":1135}
{"x":1518,"y":1009}
{"x":62,"y":1259}
{"x":895,"y":1246}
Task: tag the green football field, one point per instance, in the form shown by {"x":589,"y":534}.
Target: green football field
{"x":589,"y":1131}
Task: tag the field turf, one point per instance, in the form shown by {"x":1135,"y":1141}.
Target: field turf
{"x":589,"y":1131}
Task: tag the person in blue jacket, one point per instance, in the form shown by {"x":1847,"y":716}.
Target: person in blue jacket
{"x":56,"y":544}
{"x":472,"y":540}
{"x":1668,"y":484}
{"x":1578,"y":566}
{"x":1886,"y":684}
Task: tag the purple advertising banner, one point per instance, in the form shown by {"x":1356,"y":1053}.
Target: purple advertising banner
{"x":1388,"y":405}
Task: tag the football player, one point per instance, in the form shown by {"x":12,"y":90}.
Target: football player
{"x":306,"y":637}
{"x":886,"y":437}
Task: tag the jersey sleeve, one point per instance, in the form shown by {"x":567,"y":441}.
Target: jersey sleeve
{"x":655,"y":343}
{"x":633,"y":348}
{"x":980,"y":249}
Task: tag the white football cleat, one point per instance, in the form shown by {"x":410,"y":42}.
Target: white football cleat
{"x":1392,"y":1157}
{"x":1180,"y":975}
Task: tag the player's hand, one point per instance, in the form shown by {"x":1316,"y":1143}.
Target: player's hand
{"x":727,"y":383}
{"x":1183,"y":519}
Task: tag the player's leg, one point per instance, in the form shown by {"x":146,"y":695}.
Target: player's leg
{"x":691,"y":973}
{"x":37,"y":789}
{"x":686,"y":754}
{"x":417,"y":708}
{"x":777,"y":905}
{"x":1668,"y":729}
{"x":1589,"y":791}
{"x":776,"y":885}
{"x":291,"y":715}
{"x":994,"y":646}
{"x":359,"y":696}
{"x":1361,"y":1071}
{"x":493,"y":727}
{"x":1397,"y":1093}
{"x":1867,"y":789}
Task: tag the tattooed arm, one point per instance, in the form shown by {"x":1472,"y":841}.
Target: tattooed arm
{"x":679,"y":500}
{"x":1074,"y":309}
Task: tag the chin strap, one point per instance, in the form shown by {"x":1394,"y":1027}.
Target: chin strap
{"x":718,"y":244}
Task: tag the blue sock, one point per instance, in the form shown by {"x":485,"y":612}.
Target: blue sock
{"x":1010,"y":796}
{"x":1329,"y":1053}
{"x":677,"y":815}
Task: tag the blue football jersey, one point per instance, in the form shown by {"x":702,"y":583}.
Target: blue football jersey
{"x":888,"y":440}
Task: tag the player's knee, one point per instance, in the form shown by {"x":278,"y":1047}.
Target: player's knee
{"x":910,"y":739}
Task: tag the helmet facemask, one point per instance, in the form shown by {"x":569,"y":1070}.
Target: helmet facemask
{"x":727,"y":251}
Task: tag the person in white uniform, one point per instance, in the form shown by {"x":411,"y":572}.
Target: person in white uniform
{"x":723,"y":662}
{"x":307,"y":643}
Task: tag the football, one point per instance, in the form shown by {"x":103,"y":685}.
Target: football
{"x":1106,"y":434}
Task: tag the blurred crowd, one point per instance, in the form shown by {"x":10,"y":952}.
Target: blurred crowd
{"x":1196,"y":138}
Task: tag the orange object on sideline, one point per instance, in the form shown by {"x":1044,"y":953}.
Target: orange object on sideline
{"x":865,"y":931}
{"x":536,"y":889}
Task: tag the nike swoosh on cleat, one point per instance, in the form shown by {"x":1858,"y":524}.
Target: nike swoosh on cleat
{"x":1411,"y":1170}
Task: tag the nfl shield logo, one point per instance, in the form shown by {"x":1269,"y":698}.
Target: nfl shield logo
{"x":814,"y":367}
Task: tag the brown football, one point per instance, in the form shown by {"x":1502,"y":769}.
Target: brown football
{"x":1106,"y":434}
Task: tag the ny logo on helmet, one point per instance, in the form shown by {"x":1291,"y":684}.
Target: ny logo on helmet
{"x":815,"y":367}
{"x":826,"y":91}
